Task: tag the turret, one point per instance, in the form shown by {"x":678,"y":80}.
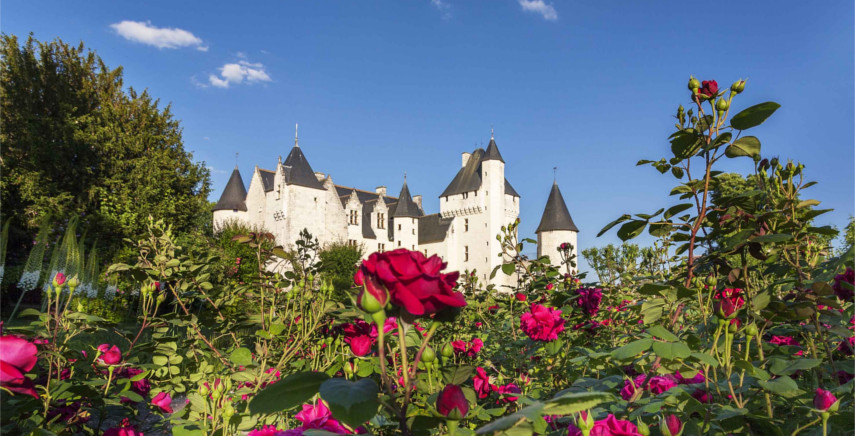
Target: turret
{"x":232,"y":204}
{"x":556,"y":227}
{"x":405,"y":220}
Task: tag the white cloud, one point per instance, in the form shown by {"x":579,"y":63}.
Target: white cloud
{"x":442,"y":7}
{"x":540,"y":7}
{"x":160,"y":37}
{"x":234,"y":74}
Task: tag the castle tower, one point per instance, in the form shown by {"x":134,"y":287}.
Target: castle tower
{"x":303,"y":199}
{"x":232,"y":204}
{"x":493,"y":191}
{"x":405,"y":220}
{"x":556,"y":227}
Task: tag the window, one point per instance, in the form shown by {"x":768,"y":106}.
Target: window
{"x":399,"y":243}
{"x":413,"y":247}
{"x":466,"y":224}
{"x":476,"y":193}
{"x":381,"y":247}
{"x":354,"y":217}
{"x":351,"y":242}
{"x":466,"y":253}
{"x":465,"y":195}
{"x":414,"y":231}
{"x":381,"y":220}
{"x":425,"y":252}
{"x":399,"y":227}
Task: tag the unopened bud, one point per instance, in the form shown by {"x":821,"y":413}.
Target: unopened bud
{"x":73,"y":282}
{"x":722,"y":104}
{"x":711,"y":281}
{"x":738,"y":86}
{"x":204,"y":391}
{"x":428,"y":355}
{"x":447,"y":350}
{"x":750,"y":330}
{"x":228,"y":411}
{"x":694,"y":84}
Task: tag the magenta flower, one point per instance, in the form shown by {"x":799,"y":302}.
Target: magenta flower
{"x":164,"y":401}
{"x":823,"y":400}
{"x":630,"y":387}
{"x":844,"y":285}
{"x":110,"y":354}
{"x":542,"y":323}
{"x":589,"y":300}
{"x":661,"y":383}
{"x":610,"y":426}
{"x":126,"y":429}
{"x":319,"y":417}
{"x":673,"y":425}
{"x":482,"y":383}
{"x":698,"y":378}
{"x":451,"y":399}
{"x":509,"y":388}
{"x":17,"y":356}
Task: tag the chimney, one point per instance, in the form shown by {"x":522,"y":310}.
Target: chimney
{"x":465,"y":159}
{"x":418,"y":200}
{"x":380,"y":190}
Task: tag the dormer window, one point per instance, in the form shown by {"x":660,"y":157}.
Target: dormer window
{"x":354,"y":218}
{"x":381,"y":220}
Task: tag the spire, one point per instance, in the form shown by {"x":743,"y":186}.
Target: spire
{"x":492,"y":152}
{"x":298,"y":171}
{"x":234,"y":196}
{"x":555,"y":214}
{"x":296,"y":130}
{"x":406,"y":207}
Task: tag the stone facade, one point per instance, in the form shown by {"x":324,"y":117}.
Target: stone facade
{"x":473,"y":208}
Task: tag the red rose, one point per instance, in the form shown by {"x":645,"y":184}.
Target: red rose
{"x":589,"y":300}
{"x":459,"y":346}
{"x":360,"y":336}
{"x":164,"y":401}
{"x":414,"y":281}
{"x":59,"y":279}
{"x":482,"y":383}
{"x":110,"y":354}
{"x":474,"y":347}
{"x":661,"y":383}
{"x":610,"y":426}
{"x":823,"y":400}
{"x":542,"y":323}
{"x":451,"y":402}
{"x":673,"y":425}
{"x":520,"y":296}
{"x":509,"y":388}
{"x":709,"y":88}
{"x":17,"y":356}
{"x":125,"y":430}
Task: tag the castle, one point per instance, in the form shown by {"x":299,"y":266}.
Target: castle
{"x":473,"y":209}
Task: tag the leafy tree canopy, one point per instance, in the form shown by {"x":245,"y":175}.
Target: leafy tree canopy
{"x":76,"y":143}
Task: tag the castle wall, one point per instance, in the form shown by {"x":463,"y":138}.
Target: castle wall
{"x":221,"y":217}
{"x":548,"y":242}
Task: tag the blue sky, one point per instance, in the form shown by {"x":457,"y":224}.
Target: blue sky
{"x":383,"y":87}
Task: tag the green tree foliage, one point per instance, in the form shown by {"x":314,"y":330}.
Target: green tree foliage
{"x":76,"y":143}
{"x":338,"y":263}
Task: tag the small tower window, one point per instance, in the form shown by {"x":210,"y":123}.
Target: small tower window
{"x":466,"y":224}
{"x":414,"y":231}
{"x":399,"y":227}
{"x":399,"y":243}
{"x":466,"y":253}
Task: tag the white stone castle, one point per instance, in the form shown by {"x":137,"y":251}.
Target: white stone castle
{"x":473,"y":209}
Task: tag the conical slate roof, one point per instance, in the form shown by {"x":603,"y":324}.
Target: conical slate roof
{"x":406,"y":207}
{"x":555,"y":215}
{"x":299,"y":172}
{"x":234,"y":196}
{"x":493,"y":152}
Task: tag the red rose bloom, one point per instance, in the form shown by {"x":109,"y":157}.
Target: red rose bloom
{"x":823,"y":400}
{"x":610,"y":426}
{"x":661,"y":383}
{"x":542,"y":323}
{"x":482,"y":383}
{"x":589,"y":300}
{"x":451,"y":398}
{"x":110,"y":354}
{"x":509,"y":388}
{"x":709,"y":88}
{"x":17,"y":356}
{"x":164,"y":401}
{"x":360,"y":336}
{"x":414,"y":281}
{"x":459,"y":346}
{"x":520,"y":296}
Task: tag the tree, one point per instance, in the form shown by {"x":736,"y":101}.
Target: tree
{"x":75,"y":143}
{"x":338,"y":263}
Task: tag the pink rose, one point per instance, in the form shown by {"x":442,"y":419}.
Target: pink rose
{"x":823,"y":400}
{"x":110,"y":354}
{"x":164,"y":401}
{"x":661,"y":383}
{"x":542,"y":323}
{"x":630,"y":387}
{"x":319,"y":417}
{"x":509,"y":388}
{"x":482,"y":383}
{"x":589,"y":300}
{"x":17,"y":356}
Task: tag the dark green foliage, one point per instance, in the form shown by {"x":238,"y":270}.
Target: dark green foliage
{"x":76,"y":143}
{"x":338,"y":263}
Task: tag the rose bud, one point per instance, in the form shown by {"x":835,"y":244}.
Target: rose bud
{"x":447,"y":350}
{"x":725,"y":308}
{"x":643,"y":429}
{"x":228,"y":411}
{"x":204,"y":390}
{"x":711,"y":281}
{"x":825,"y":401}
{"x":738,"y":86}
{"x":451,"y":403}
{"x":109,"y":354}
{"x":694,"y":85}
{"x":428,"y":355}
{"x":722,"y":104}
{"x":73,"y":282}
{"x":672,"y":426}
{"x":750,"y":330}
{"x":59,"y":280}
{"x":734,"y":325}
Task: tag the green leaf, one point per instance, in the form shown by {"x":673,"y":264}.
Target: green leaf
{"x":786,"y":367}
{"x":745,"y":146}
{"x":159,"y":360}
{"x":457,"y":375}
{"x":662,"y":333}
{"x":705,"y":358}
{"x":672,"y":350}
{"x":613,"y":223}
{"x":631,"y":230}
{"x":508,"y":268}
{"x":518,"y":419}
{"x":632,"y":349}
{"x":754,"y":115}
{"x":351,"y":402}
{"x":287,"y":393}
{"x":783,"y":386}
{"x":569,"y":403}
{"x":760,"y":301}
{"x":674,"y":210}
{"x":806,"y":203}
{"x":241,"y":356}
{"x":184,"y":431}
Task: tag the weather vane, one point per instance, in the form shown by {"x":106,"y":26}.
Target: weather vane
{"x":554,"y":174}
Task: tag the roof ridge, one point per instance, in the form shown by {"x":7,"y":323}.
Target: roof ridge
{"x":362,"y":190}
